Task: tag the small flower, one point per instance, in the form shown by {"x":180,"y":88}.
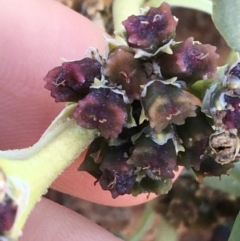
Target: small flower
{"x":124,"y":70}
{"x":156,"y":161}
{"x":108,"y":164}
{"x":165,"y":104}
{"x":190,"y":61}
{"x":71,"y":81}
{"x":151,"y":31}
{"x":102,"y":109}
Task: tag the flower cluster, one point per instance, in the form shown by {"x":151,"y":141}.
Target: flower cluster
{"x":138,"y":96}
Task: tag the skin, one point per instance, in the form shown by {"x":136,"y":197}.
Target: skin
{"x":34,"y":35}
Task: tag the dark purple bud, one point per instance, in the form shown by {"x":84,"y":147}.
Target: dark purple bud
{"x":164,"y":104}
{"x":101,"y":109}
{"x":151,"y":31}
{"x":194,"y":134}
{"x":71,"y":81}
{"x":8,"y":213}
{"x":125,"y":70}
{"x":156,"y":161}
{"x":190,"y":61}
{"x":231,"y":120}
{"x":118,"y":177}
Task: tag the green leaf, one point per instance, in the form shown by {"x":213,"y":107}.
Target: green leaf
{"x":166,"y":231}
{"x":226,"y":18}
{"x":235,"y":234}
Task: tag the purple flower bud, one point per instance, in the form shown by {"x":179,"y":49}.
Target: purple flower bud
{"x":71,"y":81}
{"x":190,"y":61}
{"x":156,"y":161}
{"x":231,"y":119}
{"x":8,"y":213}
{"x":101,"y":109}
{"x":108,"y":165}
{"x":125,"y":70}
{"x":151,"y":31}
{"x":164,"y":104}
{"x":117,"y":176}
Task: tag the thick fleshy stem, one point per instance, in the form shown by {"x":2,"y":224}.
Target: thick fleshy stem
{"x":36,"y":167}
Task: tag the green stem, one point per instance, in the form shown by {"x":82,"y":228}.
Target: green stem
{"x":38,"y":166}
{"x":166,"y":231}
{"x":199,"y":88}
{"x":146,"y":223}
